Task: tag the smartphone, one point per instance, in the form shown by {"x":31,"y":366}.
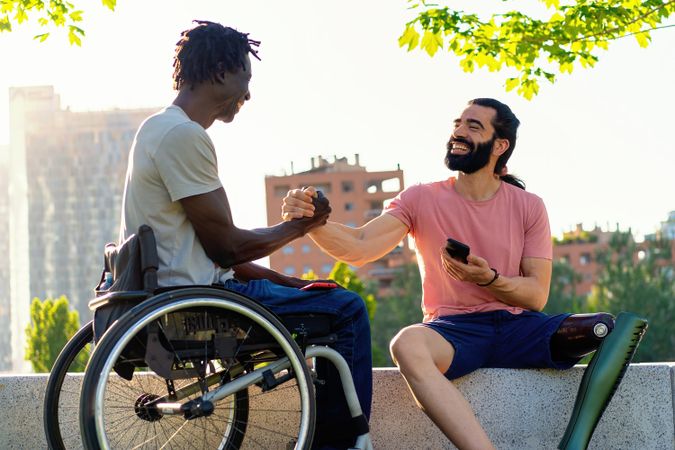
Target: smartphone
{"x":457,"y":250}
{"x":319,"y":285}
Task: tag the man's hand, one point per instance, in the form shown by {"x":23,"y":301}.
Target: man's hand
{"x":312,"y":211}
{"x":477,"y":271}
{"x":298,"y":204}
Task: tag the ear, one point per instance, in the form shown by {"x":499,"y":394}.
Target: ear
{"x":219,"y":77}
{"x":500,"y":146}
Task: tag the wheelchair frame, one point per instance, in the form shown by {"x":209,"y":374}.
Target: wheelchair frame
{"x":172,"y":407}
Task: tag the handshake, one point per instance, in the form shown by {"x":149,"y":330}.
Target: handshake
{"x":306,"y":205}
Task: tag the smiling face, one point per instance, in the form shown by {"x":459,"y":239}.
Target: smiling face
{"x":232,"y":91}
{"x":472,"y":141}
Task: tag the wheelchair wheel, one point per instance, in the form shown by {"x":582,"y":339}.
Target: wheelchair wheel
{"x":148,"y":382}
{"x":63,"y":392}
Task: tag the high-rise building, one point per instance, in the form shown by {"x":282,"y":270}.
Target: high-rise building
{"x":356,"y":196}
{"x":65,"y":183}
{"x":5,"y":310}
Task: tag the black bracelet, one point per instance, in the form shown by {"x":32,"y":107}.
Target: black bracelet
{"x":492,"y":280}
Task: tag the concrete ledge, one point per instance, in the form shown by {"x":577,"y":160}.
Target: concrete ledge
{"x":520,"y":409}
{"x":529,"y":409}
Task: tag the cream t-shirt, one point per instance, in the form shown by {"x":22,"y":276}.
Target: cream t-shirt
{"x":172,"y":157}
{"x":508,"y":227}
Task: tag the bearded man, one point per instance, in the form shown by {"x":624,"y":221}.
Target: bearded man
{"x":479,"y":311}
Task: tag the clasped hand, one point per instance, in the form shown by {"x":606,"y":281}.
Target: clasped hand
{"x":304,"y":204}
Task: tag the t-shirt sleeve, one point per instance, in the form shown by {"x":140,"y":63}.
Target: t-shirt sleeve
{"x":538,"y":232}
{"x":186,"y":162}
{"x":403,"y":207}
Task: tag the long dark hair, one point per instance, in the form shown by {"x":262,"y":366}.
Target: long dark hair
{"x":506,"y":125}
{"x":207,"y":49}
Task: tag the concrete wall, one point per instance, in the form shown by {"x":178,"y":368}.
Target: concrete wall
{"x":520,"y":409}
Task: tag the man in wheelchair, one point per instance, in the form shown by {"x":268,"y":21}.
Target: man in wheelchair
{"x":173,"y":186}
{"x":481,"y":299}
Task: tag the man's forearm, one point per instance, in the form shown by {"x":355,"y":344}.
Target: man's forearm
{"x":339,"y":241}
{"x":523,"y":292}
{"x":251,"y":271}
{"x":242,"y":246}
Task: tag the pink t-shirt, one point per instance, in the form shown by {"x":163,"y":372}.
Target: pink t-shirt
{"x":512,"y":225}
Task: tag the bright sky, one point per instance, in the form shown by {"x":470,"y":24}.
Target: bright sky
{"x":597,"y":146}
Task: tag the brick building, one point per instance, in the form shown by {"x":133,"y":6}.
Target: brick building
{"x":579,"y":248}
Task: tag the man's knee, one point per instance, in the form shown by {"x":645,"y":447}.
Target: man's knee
{"x":410,"y":348}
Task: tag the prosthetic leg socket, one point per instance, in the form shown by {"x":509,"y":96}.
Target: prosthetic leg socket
{"x":601,"y":379}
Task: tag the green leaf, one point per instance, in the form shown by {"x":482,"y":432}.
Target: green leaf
{"x":21,"y":15}
{"x":73,"y":37}
{"x":566,"y":67}
{"x":410,"y":37}
{"x":556,"y":17}
{"x":643,"y":39}
{"x":76,"y":16}
{"x":511,"y":84}
{"x":41,"y":37}
{"x":431,"y":42}
{"x":5,"y":24}
{"x":110,"y":4}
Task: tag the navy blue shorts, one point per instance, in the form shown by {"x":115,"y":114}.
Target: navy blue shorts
{"x":500,"y":339}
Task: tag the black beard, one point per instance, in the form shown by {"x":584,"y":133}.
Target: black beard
{"x":476,"y":159}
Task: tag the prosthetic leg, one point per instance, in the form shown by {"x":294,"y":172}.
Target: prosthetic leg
{"x":616,"y":342}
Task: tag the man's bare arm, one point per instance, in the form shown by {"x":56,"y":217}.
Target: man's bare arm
{"x":228,"y":245}
{"x":361,"y":245}
{"x":355,"y":246}
{"x":251,"y":271}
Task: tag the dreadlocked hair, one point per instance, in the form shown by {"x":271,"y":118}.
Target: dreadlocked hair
{"x":207,"y":49}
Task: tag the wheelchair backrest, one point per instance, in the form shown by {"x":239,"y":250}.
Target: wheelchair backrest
{"x":133,"y":263}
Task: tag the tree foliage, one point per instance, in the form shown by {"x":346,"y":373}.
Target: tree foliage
{"x":645,"y":286}
{"x":396,"y":311}
{"x":343,"y":275}
{"x":562,"y":297}
{"x":48,"y":14}
{"x":52,"y":324}
{"x":533,"y":49}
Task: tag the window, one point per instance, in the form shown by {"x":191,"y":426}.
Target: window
{"x":347,"y":186}
{"x":325,"y":188}
{"x":306,"y":248}
{"x":281,"y":191}
{"x":565,"y":259}
{"x":349,"y":206}
{"x":391,"y":185}
{"x":288,"y":250}
{"x":585,"y":259}
{"x":289,"y":270}
{"x":326,"y":268}
{"x":306,"y":269}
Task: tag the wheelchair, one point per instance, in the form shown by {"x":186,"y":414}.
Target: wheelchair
{"x":189,"y":367}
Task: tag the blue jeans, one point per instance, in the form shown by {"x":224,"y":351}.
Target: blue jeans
{"x":352,"y":328}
